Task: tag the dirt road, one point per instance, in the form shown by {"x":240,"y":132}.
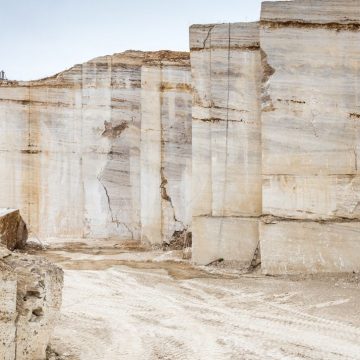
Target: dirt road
{"x":120,"y":305}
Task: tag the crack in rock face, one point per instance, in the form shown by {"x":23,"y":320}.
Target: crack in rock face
{"x":164,"y":182}
{"x":113,"y":217}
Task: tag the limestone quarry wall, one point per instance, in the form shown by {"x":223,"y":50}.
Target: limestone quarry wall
{"x":263,"y":121}
{"x":226,"y":72}
{"x":70,"y":147}
{"x":311,"y":136}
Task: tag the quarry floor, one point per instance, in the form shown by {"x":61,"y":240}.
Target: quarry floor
{"x":121,"y":303}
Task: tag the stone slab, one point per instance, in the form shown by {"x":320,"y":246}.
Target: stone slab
{"x":232,"y":239}
{"x":298,"y":247}
{"x":310,"y":116}
{"x":226,"y":73}
{"x":312,"y":197}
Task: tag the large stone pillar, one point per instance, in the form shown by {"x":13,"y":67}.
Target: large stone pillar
{"x":311,"y":136}
{"x":226,"y":74}
{"x":166,"y":148}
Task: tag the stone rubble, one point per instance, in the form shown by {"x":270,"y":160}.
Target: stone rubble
{"x":30,"y":299}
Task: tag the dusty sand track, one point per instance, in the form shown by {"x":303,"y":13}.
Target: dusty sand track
{"x":119,"y":305}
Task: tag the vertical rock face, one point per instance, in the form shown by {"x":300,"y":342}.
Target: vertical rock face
{"x":166,"y":148}
{"x":70,"y":146}
{"x":13,"y":230}
{"x":310,"y":132}
{"x":111,"y":107}
{"x":226,"y":73}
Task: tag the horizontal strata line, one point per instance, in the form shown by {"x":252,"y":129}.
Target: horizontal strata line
{"x":274,"y":24}
{"x":51,"y":152}
{"x":36,"y":102}
{"x":239,"y":47}
{"x":312,"y":175}
{"x":271,"y":219}
{"x":213,"y":120}
{"x":127,"y":104}
{"x":214,"y":107}
{"x":229,"y":217}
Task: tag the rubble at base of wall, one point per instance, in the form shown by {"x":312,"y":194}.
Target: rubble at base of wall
{"x":13,"y":230}
{"x":30,"y":300}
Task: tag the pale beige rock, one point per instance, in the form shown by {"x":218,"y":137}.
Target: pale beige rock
{"x":201,"y":163}
{"x":166,"y":149}
{"x":310,"y":135}
{"x":312,"y":197}
{"x":289,"y":247}
{"x":39,"y":287}
{"x":151,"y":207}
{"x":312,"y":128}
{"x":13,"y":230}
{"x":70,"y":146}
{"x":30,"y":301}
{"x":226,"y":73}
{"x":7,"y":309}
{"x":310,"y":11}
{"x":231,"y":239}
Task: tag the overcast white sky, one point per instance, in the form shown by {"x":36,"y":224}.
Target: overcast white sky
{"x":42,"y":37}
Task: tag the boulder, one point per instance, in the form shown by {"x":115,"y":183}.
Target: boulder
{"x":13,"y":230}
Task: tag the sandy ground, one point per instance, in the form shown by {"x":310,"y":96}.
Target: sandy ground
{"x":121,"y":304}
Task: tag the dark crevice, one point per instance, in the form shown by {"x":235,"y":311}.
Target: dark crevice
{"x":113,"y":217}
{"x":355,"y":26}
{"x":268,"y":71}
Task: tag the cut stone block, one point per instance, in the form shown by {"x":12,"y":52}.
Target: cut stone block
{"x":232,"y":239}
{"x":310,"y":96}
{"x":13,"y":230}
{"x":226,"y":73}
{"x":226,"y":141}
{"x":312,"y":197}
{"x":210,"y":36}
{"x":295,"y":247}
{"x":310,"y":135}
